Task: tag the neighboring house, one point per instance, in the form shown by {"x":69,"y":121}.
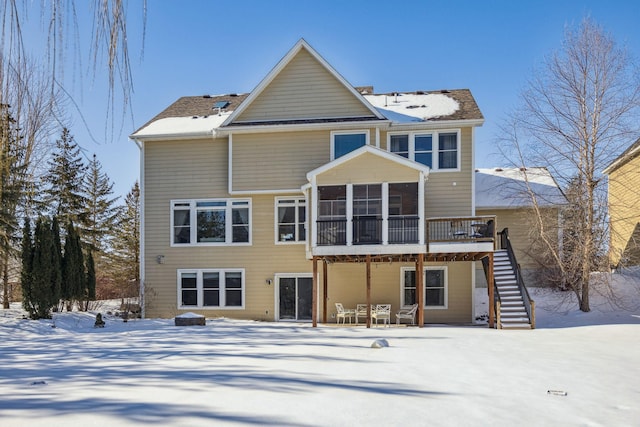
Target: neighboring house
{"x":624,"y":207}
{"x":307,"y":192}
{"x":518,"y":197}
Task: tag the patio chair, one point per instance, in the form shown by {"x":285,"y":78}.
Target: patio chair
{"x":408,"y":314}
{"x":382,"y":312}
{"x":361,"y":311}
{"x":343,"y":313}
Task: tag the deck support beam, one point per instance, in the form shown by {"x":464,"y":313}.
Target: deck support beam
{"x":420,"y":289}
{"x":325,"y":293}
{"x":491,"y":286}
{"x":368,"y":291}
{"x":314,"y":296}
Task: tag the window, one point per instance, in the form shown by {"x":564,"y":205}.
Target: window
{"x":435,"y":287}
{"x":438,"y":150}
{"x":290,"y":220}
{"x":211,"y":288}
{"x":346,"y":142}
{"x":198,"y":222}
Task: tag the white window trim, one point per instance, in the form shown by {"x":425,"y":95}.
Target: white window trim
{"x":193,"y":221}
{"x":298,"y":199}
{"x":446,"y":287}
{"x":435,"y":147}
{"x":199,"y":288}
{"x":347,"y":132}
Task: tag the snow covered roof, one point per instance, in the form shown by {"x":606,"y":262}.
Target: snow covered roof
{"x":198,"y":116}
{"x":507,"y":188}
{"x":412,"y":107}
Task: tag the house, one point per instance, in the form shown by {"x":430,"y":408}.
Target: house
{"x":526,"y":201}
{"x":624,"y":207}
{"x":308,"y":191}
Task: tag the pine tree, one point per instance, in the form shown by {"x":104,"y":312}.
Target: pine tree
{"x":12,"y":172}
{"x":26,"y":273}
{"x":127,"y":245}
{"x":41,"y":300}
{"x":56,"y":274}
{"x":64,"y":193}
{"x":73,"y":275}
{"x":91,"y":280}
{"x":101,"y":210}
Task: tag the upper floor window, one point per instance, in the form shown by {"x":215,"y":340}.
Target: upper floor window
{"x":290,"y":220}
{"x":438,"y":150}
{"x":215,"y":221}
{"x":346,"y":142}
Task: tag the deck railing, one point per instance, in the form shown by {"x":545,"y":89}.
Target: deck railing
{"x":462,"y":229}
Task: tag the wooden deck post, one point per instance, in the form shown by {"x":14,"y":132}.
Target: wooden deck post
{"x":314,"y":296}
{"x":368,"y":291}
{"x":490,"y":286}
{"x":420,"y":289}
{"x":325,"y":289}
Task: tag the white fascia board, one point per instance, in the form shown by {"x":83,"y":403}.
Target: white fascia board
{"x":621,"y":160}
{"x":375,"y":151}
{"x":257,"y":128}
{"x":441,"y":124}
{"x":174,"y":136}
{"x":262,"y":192}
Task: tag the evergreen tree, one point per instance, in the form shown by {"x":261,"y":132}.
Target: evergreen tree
{"x":12,"y":172}
{"x":127,"y":245}
{"x":56,"y":274}
{"x":73,"y":275}
{"x":91,"y":280}
{"x":101,"y":210}
{"x":26,"y":273}
{"x":64,"y":193}
{"x":41,"y":299}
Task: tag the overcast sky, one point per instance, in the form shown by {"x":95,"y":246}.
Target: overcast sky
{"x":210,"y":47}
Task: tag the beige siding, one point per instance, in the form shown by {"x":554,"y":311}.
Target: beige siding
{"x":523,"y":235}
{"x":277,"y":161}
{"x":450,"y":193}
{"x":347,"y":285}
{"x":624,"y":213}
{"x":261,"y":261}
{"x":368,"y":168}
{"x":304,"y":89}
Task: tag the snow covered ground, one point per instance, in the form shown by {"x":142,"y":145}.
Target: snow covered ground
{"x":575,"y":369}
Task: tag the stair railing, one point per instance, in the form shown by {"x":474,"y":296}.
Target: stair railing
{"x":496,"y":296}
{"x":505,"y":244}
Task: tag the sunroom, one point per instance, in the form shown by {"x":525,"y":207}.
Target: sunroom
{"x":368,"y":201}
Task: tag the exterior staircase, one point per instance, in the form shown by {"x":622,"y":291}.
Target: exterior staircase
{"x":512,"y":313}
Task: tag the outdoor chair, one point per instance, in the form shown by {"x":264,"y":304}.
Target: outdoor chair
{"x":361,"y":311}
{"x":408,"y":314}
{"x":343,"y":313}
{"x":382,"y":312}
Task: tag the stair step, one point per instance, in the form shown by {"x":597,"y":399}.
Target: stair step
{"x":507,"y":287}
{"x":512,"y":307}
{"x":516,"y":326}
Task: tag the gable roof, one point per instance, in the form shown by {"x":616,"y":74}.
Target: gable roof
{"x":197,"y":116}
{"x":628,"y":155}
{"x":282,"y":65}
{"x":369,"y":149}
{"x":507,"y":188}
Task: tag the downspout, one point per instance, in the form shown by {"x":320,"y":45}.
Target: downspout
{"x":143,"y":305}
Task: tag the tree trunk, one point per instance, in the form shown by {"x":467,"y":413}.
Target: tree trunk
{"x":5,"y":282}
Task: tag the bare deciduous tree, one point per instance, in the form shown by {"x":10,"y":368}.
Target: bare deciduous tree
{"x":578,"y":112}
